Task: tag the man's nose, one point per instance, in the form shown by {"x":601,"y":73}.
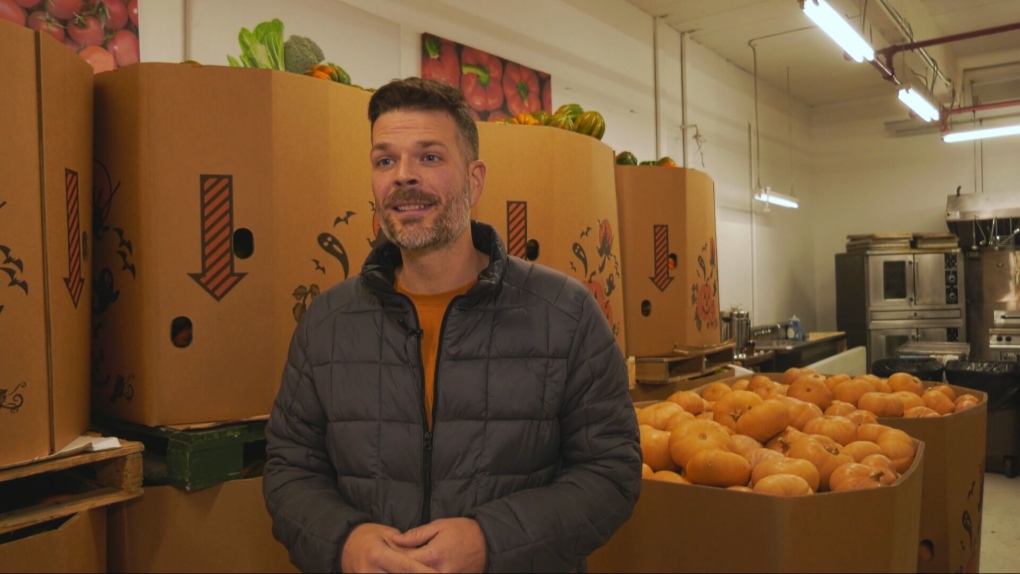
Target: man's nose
{"x":407,"y":173}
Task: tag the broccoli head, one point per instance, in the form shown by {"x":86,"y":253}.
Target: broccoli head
{"x":300,"y":53}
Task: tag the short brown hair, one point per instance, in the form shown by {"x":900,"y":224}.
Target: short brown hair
{"x":429,"y":96}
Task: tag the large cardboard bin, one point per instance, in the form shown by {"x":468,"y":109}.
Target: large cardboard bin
{"x":45,"y":244}
{"x":225,"y":528}
{"x":690,"y":528}
{"x":551,"y":195}
{"x":670,"y":262}
{"x":226,"y":200}
{"x":77,"y":545}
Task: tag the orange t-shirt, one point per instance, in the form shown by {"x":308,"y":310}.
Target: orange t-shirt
{"x":431,"y":309}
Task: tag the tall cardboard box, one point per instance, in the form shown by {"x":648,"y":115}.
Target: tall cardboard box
{"x":226,"y":199}
{"x":78,"y":544}
{"x":225,"y":528}
{"x":45,"y":244}
{"x":551,"y":195}
{"x":670,"y":262}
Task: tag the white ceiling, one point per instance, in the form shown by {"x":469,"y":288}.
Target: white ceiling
{"x":789,"y":45}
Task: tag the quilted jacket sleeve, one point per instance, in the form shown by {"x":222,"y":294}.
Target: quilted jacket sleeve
{"x":554,"y":528}
{"x":309,"y":516}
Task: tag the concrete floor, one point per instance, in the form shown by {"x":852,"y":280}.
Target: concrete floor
{"x":1000,"y":524}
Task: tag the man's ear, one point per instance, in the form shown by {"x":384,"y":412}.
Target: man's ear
{"x":476,"y":179}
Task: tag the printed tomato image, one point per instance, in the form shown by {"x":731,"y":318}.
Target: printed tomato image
{"x":439,"y":60}
{"x":115,"y":13}
{"x":64,"y":9}
{"x":11,"y":12}
{"x":124,"y":47}
{"x":45,"y":23}
{"x":481,"y":79}
{"x":87,"y":31}
{"x":520,"y":87}
{"x":101,"y":60}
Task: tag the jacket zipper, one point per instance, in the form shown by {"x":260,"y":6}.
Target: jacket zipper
{"x":426,"y":504}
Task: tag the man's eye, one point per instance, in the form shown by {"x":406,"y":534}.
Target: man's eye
{"x":431,"y":157}
{"x":384,"y":162}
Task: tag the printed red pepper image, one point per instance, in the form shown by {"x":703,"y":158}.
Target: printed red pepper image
{"x":439,"y":60}
{"x":481,"y":79}
{"x":521,"y":89}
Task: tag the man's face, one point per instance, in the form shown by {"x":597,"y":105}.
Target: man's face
{"x":423,"y":187}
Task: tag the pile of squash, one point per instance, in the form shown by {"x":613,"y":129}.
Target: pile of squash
{"x":804,"y":434}
{"x":570,"y":117}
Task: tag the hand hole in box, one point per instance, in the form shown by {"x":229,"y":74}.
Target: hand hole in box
{"x":646,"y":308}
{"x":244,"y":243}
{"x":672,"y":260}
{"x":531,"y":250}
{"x":181,"y":332}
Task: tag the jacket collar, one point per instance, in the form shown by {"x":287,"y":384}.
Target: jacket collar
{"x":379,"y":270}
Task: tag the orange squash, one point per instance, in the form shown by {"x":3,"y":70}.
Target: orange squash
{"x":964,"y":405}
{"x":920,"y":412}
{"x":689,"y":401}
{"x":840,"y":408}
{"x":796,"y":466}
{"x":713,"y":391}
{"x":763,"y":421}
{"x":782,"y":441}
{"x":871,"y":431}
{"x":899,"y":447}
{"x":683,"y":447}
{"x":905,"y":382}
{"x":861,"y":417}
{"x":740,"y":488}
{"x":801,"y":412}
{"x":718,"y":468}
{"x":760,"y":455}
{"x":646,"y":470}
{"x":938,"y":401}
{"x":881,"y":386}
{"x":825,"y":456}
{"x":669,"y":476}
{"x":778,"y":392}
{"x":835,"y":380}
{"x":812,"y":389}
{"x":794,"y":373}
{"x":783,"y":485}
{"x":657,"y":414}
{"x":839,"y":429}
{"x":859,"y":449}
{"x":677,"y":418}
{"x":761,"y":385}
{"x":699,"y":426}
{"x":655,"y":448}
{"x":882,"y":404}
{"x":743,"y":444}
{"x":740,"y":385}
{"x":882,"y":463}
{"x":910,"y":400}
{"x":732,"y":406}
{"x":852,"y":390}
{"x":852,"y":470}
{"x":945,"y":390}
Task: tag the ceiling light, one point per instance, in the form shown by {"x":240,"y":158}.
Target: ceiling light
{"x":782,"y":200}
{"x":981,"y":134}
{"x":839,"y":30}
{"x":921,"y":106}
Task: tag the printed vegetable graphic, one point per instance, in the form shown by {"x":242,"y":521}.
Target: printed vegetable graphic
{"x":262,"y":48}
{"x":440,"y":61}
{"x":481,"y":80}
{"x":520,"y":87}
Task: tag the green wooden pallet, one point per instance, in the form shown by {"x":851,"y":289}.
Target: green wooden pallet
{"x":194,"y":459}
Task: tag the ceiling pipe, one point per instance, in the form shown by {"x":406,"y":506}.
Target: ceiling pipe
{"x":888,"y":53}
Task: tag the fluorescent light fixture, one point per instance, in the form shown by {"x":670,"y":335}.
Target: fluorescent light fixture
{"x":782,"y":200}
{"x":981,"y":134}
{"x":839,"y":30}
{"x":921,"y":106}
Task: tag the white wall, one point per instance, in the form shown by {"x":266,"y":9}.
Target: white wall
{"x":601,"y":54}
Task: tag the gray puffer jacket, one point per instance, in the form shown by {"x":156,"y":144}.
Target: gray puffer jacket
{"x":534,"y":437}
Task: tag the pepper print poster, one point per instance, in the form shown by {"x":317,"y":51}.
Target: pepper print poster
{"x":103,"y":32}
{"x":495,"y":87}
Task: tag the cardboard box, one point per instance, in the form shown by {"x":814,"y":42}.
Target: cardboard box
{"x":77,"y":545}
{"x":954,"y":478}
{"x":227,"y":199}
{"x":45,"y":244}
{"x":555,"y":190}
{"x":690,"y":528}
{"x":670,"y":262}
{"x":224,"y":528}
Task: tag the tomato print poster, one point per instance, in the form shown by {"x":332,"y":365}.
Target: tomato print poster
{"x":495,"y":87}
{"x":103,"y":32}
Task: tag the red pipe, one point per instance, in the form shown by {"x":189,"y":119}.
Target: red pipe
{"x":891,"y":50}
{"x":982,"y":107}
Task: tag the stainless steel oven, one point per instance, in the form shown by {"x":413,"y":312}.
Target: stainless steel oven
{"x":913,"y":280}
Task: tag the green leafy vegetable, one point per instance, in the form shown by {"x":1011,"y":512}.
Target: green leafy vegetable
{"x":261,"y":48}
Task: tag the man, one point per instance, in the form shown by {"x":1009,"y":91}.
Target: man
{"x":450,"y":408}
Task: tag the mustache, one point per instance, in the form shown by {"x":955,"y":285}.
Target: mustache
{"x":411,"y":195}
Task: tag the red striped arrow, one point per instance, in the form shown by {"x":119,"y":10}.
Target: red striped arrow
{"x":74,"y":281}
{"x":517,"y":228}
{"x":661,"y":278}
{"x":217,"y":276}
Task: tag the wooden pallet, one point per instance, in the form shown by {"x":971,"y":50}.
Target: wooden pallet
{"x":193,"y":459}
{"x":687,"y":364}
{"x":52,"y":488}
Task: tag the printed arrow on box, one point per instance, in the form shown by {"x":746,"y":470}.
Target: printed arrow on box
{"x":517,"y":228}
{"x":74,"y":281}
{"x":217,"y":276}
{"x":661,"y":279}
